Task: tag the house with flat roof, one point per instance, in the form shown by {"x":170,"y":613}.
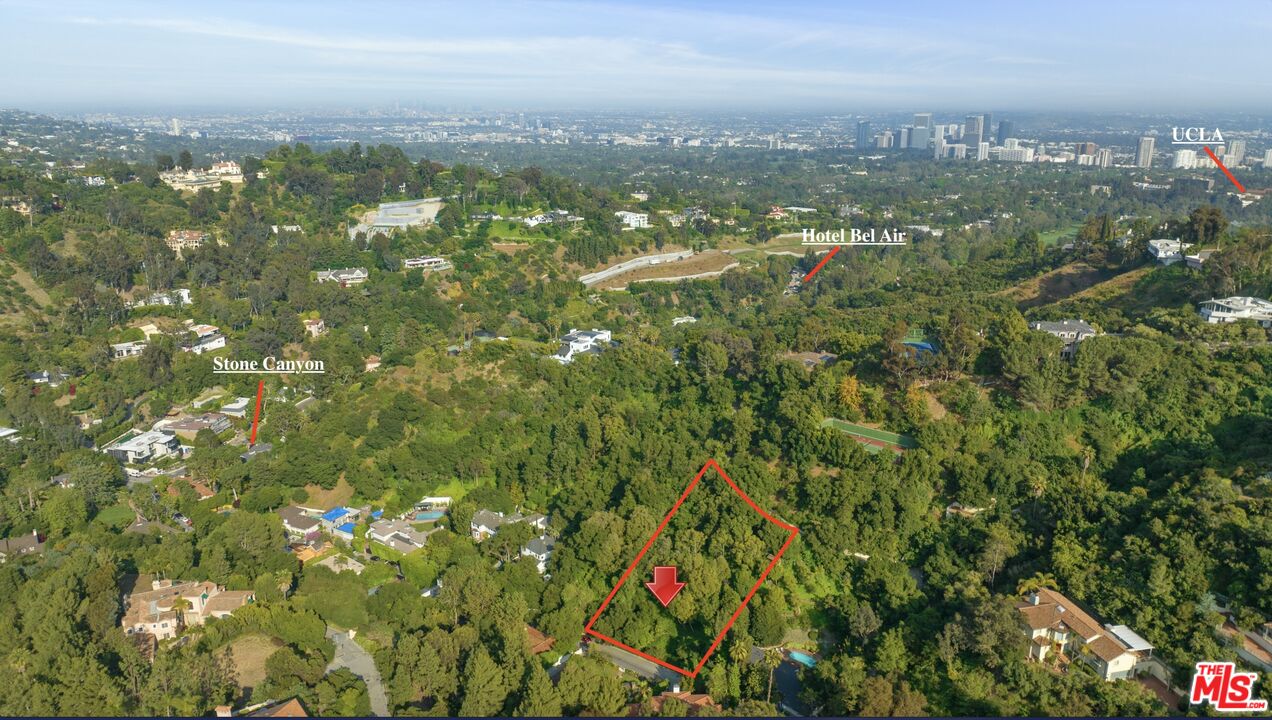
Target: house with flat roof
{"x":188,"y":427}
{"x":337,"y":516}
{"x":390,"y":217}
{"x":1232,"y":309}
{"x":344,"y":276}
{"x":203,"y":338}
{"x":1167,"y":251}
{"x":1071,"y":332}
{"x":486,"y":523}
{"x":119,"y":351}
{"x":632,"y":220}
{"x":582,"y":342}
{"x":1058,"y":628}
{"x":143,"y":447}
{"x":428,"y":264}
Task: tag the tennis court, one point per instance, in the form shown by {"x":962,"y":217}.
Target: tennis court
{"x":874,"y":440}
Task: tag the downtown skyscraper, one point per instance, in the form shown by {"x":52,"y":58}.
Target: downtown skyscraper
{"x":863,"y":134}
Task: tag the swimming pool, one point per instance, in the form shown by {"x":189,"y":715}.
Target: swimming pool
{"x":429,"y":516}
{"x":802,"y":658}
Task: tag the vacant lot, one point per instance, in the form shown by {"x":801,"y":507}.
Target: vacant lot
{"x":322,"y":498}
{"x":704,"y":262}
{"x":248,"y":655}
{"x":1056,"y":285}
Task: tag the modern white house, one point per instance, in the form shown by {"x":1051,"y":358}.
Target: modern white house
{"x":427,"y":263}
{"x":344,"y":276}
{"x":1071,"y":332}
{"x":143,"y":447}
{"x":578,"y":342}
{"x":633,"y":220}
{"x":398,"y":535}
{"x":683,"y":319}
{"x":206,"y":338}
{"x":1232,"y":309}
{"x":486,"y":523}
{"x":1167,"y":251}
{"x":119,"y":351}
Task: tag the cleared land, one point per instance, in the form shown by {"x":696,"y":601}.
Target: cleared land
{"x":710,"y":261}
{"x":249,"y":654}
{"x":872,"y":439}
{"x":1056,"y":285}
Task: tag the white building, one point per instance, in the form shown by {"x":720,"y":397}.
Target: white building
{"x":683,"y":319}
{"x":427,"y":263}
{"x":1185,"y":159}
{"x":578,"y":342}
{"x":1167,"y":251}
{"x":206,"y":338}
{"x":120,"y":351}
{"x":344,"y":276}
{"x":540,"y":549}
{"x":144,"y":447}
{"x":1233,"y":309}
{"x":633,"y":220}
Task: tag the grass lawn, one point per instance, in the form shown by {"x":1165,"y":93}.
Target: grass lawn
{"x":1051,"y":237}
{"x":119,"y":515}
{"x":248,"y":655}
{"x":872,"y":439}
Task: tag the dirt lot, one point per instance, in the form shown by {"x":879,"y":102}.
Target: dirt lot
{"x":248,"y":655}
{"x":709,"y":261}
{"x":320,"y":498}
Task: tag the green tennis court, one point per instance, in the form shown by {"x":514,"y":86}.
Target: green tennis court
{"x":870,"y":437}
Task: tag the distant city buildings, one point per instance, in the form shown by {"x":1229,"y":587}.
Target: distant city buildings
{"x":863,"y":134}
{"x":1144,"y":152}
{"x":1235,"y":154}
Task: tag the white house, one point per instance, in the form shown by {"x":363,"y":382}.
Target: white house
{"x":683,"y":319}
{"x":206,"y":338}
{"x":540,"y":549}
{"x":633,"y":220}
{"x":1232,"y":309}
{"x":344,"y":276}
{"x":1071,"y":332}
{"x":315,"y":327}
{"x":123,"y":350}
{"x":398,"y":534}
{"x":1167,"y":251}
{"x":486,"y":523}
{"x":582,"y":341}
{"x":427,"y":263}
{"x":144,"y":447}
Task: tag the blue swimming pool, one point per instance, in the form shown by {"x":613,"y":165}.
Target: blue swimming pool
{"x":802,"y":658}
{"x":429,"y":516}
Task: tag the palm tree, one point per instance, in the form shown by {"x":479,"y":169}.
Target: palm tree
{"x":772,"y":659}
{"x":1037,"y":582}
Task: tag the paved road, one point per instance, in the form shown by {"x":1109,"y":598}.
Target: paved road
{"x":349,"y":654}
{"x":633,"y":663}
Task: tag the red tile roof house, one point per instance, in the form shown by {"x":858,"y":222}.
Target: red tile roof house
{"x":1055,"y":624}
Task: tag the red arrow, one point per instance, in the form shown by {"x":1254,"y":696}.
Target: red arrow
{"x":824,"y":260}
{"x":1225,"y":170}
{"x":256,"y":416}
{"x":665,"y":587}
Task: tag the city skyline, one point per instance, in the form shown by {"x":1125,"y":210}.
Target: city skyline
{"x":653,"y":56}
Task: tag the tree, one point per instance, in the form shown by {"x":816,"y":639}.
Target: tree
{"x":850,"y":395}
{"x":538,"y":698}
{"x":484,"y":691}
{"x":185,"y":160}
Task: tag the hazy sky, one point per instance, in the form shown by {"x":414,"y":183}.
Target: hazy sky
{"x":829,"y":56}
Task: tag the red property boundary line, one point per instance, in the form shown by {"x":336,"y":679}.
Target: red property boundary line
{"x":711,"y":464}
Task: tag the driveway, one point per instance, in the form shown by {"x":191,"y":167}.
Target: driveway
{"x":349,"y":654}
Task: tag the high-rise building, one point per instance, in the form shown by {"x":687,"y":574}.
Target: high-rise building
{"x":883,"y":140}
{"x":1006,"y":129}
{"x":973,"y":129}
{"x":1084,"y":148}
{"x":863,"y":134}
{"x":1144,"y":153}
{"x":959,"y":150}
{"x":1236,"y":153}
{"x":923,"y":120}
{"x":920,"y":137}
{"x":982,"y":151}
{"x":987,"y":127}
{"x":1104,"y":158}
{"x":903,"y":138}
{"x":938,"y":147}
{"x":1184,"y":159}
{"x":176,"y":127}
{"x":1267,"y":159}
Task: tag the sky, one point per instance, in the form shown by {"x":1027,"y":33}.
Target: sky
{"x":1113,"y":55}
